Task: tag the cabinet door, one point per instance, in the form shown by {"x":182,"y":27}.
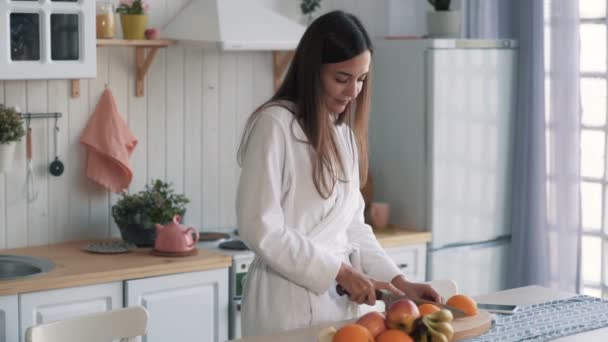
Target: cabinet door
{"x":54,"y":305}
{"x":411,"y":259}
{"x":47,"y":39}
{"x":9,"y":323}
{"x":183,"y":307}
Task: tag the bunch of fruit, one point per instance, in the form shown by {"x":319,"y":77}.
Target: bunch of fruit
{"x":404,"y":322}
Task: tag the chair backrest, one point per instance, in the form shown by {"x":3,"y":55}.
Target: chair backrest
{"x":445,"y":287}
{"x":100,"y":327}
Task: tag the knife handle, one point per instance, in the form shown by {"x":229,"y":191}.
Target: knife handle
{"x":342,"y":291}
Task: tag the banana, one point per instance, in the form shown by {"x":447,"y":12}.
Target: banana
{"x":326,"y":335}
{"x":436,"y":336}
{"x":441,"y":316}
{"x":445,"y":328}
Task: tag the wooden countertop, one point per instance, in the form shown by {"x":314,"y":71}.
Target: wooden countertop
{"x":393,"y":236}
{"x":76,"y":267}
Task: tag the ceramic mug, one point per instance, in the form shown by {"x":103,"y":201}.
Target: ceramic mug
{"x":379,"y":214}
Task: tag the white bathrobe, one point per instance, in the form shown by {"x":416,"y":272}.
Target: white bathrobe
{"x":300,"y":239}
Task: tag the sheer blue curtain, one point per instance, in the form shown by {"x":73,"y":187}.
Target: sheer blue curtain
{"x":545,"y":206}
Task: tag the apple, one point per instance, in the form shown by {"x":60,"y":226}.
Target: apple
{"x":152,"y":33}
{"x":401,"y":315}
{"x":374,"y":321}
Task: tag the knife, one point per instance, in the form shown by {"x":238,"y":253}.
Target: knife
{"x":388,"y":298}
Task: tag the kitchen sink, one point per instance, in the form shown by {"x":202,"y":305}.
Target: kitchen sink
{"x":18,"y":266}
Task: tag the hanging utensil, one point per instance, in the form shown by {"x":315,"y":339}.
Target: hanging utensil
{"x":56,"y":168}
{"x":32,"y":194}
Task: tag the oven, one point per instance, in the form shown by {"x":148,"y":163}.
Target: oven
{"x":238,"y":272}
{"x":228,"y":244}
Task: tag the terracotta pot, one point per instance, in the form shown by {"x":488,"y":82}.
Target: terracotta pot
{"x":133,"y":26}
{"x":379,"y":215}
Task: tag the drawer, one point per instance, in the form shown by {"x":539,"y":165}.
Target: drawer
{"x":411,"y":260}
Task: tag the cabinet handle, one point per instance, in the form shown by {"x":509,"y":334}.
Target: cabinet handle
{"x":402,"y":266}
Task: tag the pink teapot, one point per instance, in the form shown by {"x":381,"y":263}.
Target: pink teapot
{"x":175,"y":237}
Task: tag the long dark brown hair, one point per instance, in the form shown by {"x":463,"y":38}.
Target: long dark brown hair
{"x":332,"y":38}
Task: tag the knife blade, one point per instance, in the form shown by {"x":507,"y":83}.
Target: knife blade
{"x":388,"y":298}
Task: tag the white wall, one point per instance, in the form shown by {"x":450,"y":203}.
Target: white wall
{"x":188,"y":124}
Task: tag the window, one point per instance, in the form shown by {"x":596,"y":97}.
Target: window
{"x":594,"y":131}
{"x":47,"y":39}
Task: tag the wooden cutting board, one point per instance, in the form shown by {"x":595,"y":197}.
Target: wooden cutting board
{"x":472,"y":326}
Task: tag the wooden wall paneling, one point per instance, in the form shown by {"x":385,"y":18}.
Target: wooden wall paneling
{"x":98,"y":195}
{"x":174,"y":118}
{"x":227,"y":135}
{"x":193,"y":135}
{"x":262,"y":78}
{"x":120,"y":68}
{"x":157,"y":134}
{"x":59,"y":187}
{"x":211,"y":146}
{"x":38,"y":229}
{"x":138,"y":122}
{"x":2,"y":190}
{"x":245,"y":104}
{"x":78,"y":207}
{"x":16,"y":218}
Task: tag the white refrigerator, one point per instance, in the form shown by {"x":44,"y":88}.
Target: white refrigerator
{"x":441,"y":150}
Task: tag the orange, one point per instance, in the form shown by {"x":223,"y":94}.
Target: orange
{"x":353,"y":333}
{"x":464,"y":303}
{"x":426,"y":309}
{"x":394,"y":335}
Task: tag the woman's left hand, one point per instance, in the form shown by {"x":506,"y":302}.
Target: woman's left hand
{"x":416,"y":290}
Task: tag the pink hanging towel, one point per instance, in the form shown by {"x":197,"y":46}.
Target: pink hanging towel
{"x":109,"y":144}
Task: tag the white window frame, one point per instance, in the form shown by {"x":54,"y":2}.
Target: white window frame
{"x":45,"y":68}
{"x":592,"y":288}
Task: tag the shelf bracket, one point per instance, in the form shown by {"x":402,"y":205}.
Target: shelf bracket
{"x":280,"y":62}
{"x":75,"y":88}
{"x":142,"y":63}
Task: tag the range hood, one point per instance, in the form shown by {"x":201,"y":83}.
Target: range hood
{"x":233,"y":25}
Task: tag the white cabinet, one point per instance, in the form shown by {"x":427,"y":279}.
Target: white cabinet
{"x":183,"y":307}
{"x":48,"y":306}
{"x":9,"y":318}
{"x":411,"y":259}
{"x":47,"y":39}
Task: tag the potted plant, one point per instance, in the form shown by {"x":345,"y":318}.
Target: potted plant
{"x":136,"y":214}
{"x":308,"y":7}
{"x":133,"y":18}
{"x":443,"y":23}
{"x":11,"y":131}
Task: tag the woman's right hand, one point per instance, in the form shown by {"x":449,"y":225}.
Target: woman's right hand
{"x":362,"y":289}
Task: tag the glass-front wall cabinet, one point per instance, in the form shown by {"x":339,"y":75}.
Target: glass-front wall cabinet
{"x":46,"y":39}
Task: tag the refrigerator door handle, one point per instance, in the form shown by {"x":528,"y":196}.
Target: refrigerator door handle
{"x":477,"y":245}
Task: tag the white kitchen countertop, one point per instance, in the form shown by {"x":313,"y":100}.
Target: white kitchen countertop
{"x":519,"y":296}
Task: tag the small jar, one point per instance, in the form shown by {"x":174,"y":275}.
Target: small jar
{"x":106,"y":26}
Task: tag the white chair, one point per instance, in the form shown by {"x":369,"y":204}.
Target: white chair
{"x":106,"y":326}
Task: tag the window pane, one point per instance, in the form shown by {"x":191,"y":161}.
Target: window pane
{"x":25,"y":36}
{"x":547,"y":40}
{"x":592,"y":260}
{"x":593,"y":98}
{"x":591,"y":203}
{"x":592,"y":153}
{"x":592,"y":8}
{"x":593,"y":47}
{"x":64,"y":37}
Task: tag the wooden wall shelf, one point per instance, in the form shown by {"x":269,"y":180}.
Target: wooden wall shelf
{"x":143,"y":60}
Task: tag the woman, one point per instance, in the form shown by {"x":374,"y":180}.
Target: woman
{"x":299,"y":205}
